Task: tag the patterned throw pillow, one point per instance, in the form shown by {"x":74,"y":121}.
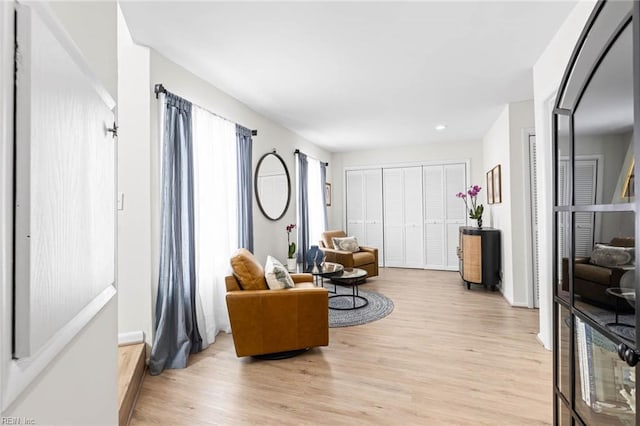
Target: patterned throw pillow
{"x":612,"y":256}
{"x":277,"y":275}
{"x":346,"y":244}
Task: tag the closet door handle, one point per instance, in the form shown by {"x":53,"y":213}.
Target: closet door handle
{"x":627,"y":354}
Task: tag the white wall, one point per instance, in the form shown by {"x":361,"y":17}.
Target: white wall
{"x":496,"y":148}
{"x":95,"y":37}
{"x":612,"y":149}
{"x":270,"y":238}
{"x":134,"y":181}
{"x":547,"y":74}
{"x":80,"y":385}
{"x":429,"y":152}
{"x":521,"y":119}
{"x":504,"y":145}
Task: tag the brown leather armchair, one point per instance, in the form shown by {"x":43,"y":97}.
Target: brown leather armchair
{"x":366,"y":258}
{"x":267,"y":321}
{"x":592,"y":281}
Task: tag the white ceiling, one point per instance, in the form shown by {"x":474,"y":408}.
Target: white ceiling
{"x":354,"y":75}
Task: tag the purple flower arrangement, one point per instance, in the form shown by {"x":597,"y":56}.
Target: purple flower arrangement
{"x":470,"y":200}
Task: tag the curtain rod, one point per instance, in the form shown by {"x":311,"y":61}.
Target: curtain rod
{"x":297,"y":151}
{"x":159,"y":88}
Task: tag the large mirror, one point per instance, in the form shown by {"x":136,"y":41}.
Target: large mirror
{"x":273,"y":186}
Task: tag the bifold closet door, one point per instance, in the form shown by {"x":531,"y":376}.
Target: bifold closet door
{"x":355,"y":204}
{"x":364,"y":208}
{"x":455,"y":176}
{"x":434,"y":217}
{"x":403,"y":217}
{"x":373,"y":212}
{"x":443,"y":214}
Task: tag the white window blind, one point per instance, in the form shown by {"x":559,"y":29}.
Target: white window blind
{"x":585,"y":193}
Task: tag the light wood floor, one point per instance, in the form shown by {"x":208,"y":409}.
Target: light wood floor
{"x":130,"y":375}
{"x":445,"y":356}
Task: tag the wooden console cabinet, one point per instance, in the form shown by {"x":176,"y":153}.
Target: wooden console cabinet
{"x":479,"y":254}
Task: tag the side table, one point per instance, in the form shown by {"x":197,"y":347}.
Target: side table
{"x":350,"y":277}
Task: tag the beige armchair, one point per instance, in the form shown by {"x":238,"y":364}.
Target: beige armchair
{"x":274,"y":323}
{"x":366,"y":258}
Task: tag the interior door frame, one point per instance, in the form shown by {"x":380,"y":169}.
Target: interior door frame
{"x":529,"y":253}
{"x":6,"y":192}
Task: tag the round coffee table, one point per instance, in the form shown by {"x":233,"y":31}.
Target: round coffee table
{"x":623,"y":296}
{"x":350,"y":277}
{"x":327,"y":269}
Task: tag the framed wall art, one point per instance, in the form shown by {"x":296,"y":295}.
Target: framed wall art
{"x":490,"y":187}
{"x":327,"y":193}
{"x":497,"y":184}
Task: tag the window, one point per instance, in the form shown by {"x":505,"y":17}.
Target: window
{"x":317,"y":208}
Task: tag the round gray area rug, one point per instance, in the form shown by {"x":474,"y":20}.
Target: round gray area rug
{"x":379,"y":307}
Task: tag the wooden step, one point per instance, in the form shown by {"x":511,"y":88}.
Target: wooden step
{"x":131,"y":368}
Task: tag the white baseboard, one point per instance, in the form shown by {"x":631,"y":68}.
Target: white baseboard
{"x":130,"y":338}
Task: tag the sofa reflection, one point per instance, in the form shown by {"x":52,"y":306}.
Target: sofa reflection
{"x":604,"y":269}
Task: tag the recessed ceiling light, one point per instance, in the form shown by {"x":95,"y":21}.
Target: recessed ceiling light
{"x":440,"y":127}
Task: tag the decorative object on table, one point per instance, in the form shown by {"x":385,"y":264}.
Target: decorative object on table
{"x":490,"y":199}
{"x":497,"y":184}
{"x":319,"y":258}
{"x":292,"y":264}
{"x":291,"y":256}
{"x":310,"y":260}
{"x":379,"y":306}
{"x":475,"y":210}
{"x":327,"y":193}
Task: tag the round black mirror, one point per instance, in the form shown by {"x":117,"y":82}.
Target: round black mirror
{"x":272,"y":186}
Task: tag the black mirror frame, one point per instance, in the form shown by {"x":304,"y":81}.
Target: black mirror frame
{"x":255,"y":185}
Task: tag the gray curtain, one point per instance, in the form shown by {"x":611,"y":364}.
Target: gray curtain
{"x":245,"y":187}
{"x":323,"y":182}
{"x":303,"y":206}
{"x":176,"y":330}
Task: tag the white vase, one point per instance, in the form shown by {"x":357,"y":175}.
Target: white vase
{"x":291,"y":264}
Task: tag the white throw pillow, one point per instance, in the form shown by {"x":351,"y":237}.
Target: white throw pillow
{"x":346,"y":244}
{"x":610,"y":256}
{"x":277,"y":275}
